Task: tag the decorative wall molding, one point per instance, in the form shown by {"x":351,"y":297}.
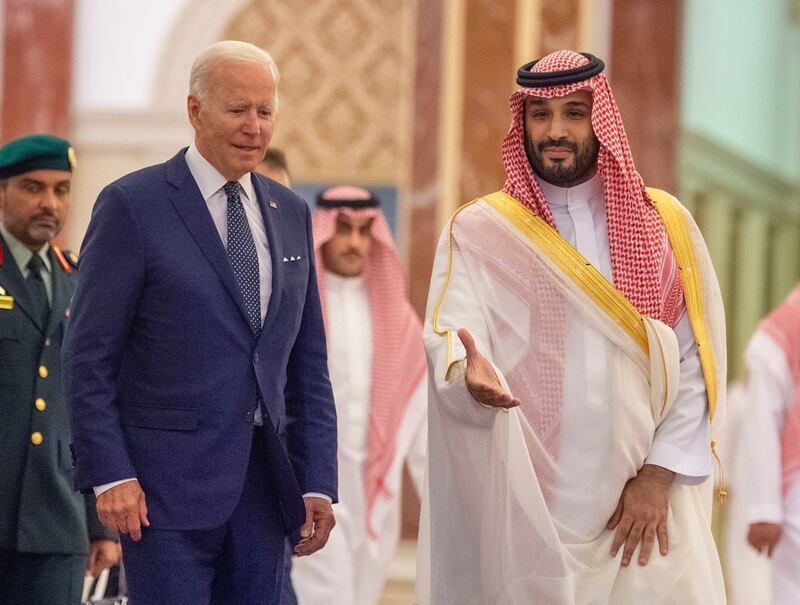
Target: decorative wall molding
{"x":717,"y":167}
{"x":140,"y":130}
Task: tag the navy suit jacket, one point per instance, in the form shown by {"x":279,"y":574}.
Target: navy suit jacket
{"x":161,"y":370}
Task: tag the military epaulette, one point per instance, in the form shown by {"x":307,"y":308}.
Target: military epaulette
{"x":68,"y":260}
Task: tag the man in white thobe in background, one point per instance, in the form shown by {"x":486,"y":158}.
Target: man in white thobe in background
{"x":377,"y":367}
{"x":768,"y":453}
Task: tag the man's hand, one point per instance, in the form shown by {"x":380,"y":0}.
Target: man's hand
{"x":319,"y":523}
{"x":123,"y":509}
{"x":102,"y":555}
{"x":482,"y":382}
{"x":641,"y":514}
{"x":764,"y":536}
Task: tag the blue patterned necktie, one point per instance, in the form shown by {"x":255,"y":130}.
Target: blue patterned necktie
{"x":242,"y":255}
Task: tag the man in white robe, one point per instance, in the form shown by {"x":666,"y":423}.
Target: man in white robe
{"x":768,"y":453}
{"x":570,"y":401}
{"x":377,"y":368}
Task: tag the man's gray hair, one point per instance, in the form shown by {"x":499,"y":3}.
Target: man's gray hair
{"x":227,"y":50}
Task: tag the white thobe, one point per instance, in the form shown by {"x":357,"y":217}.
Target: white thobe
{"x":351,"y":569}
{"x":771,"y":394}
{"x":681,"y":442}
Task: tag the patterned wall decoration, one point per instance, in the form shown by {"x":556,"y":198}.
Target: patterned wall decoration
{"x":346,"y":69}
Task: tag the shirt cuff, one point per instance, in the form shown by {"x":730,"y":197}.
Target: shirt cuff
{"x":107,"y":486}
{"x":318,"y":495}
{"x":764,"y":513}
{"x":688,"y":469}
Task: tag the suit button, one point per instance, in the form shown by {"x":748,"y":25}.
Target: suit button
{"x":255,"y":357}
{"x":248,"y":417}
{"x":48,"y":342}
{"x":43,"y":371}
{"x":40,"y":404}
{"x":36,"y":438}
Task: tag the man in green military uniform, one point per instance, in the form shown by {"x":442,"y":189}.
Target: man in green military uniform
{"x":49,"y":534}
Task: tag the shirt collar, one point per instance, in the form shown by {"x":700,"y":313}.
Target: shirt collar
{"x":208,"y":178}
{"x":586,"y":192}
{"x":22,"y":254}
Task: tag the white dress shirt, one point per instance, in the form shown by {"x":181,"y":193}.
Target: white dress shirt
{"x":681,"y":441}
{"x":211,"y":184}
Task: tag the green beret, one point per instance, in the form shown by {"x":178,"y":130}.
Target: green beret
{"x":35,"y":152}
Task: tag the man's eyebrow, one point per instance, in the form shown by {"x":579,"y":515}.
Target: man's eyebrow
{"x":578,"y":103}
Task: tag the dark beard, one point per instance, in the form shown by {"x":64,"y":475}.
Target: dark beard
{"x":562,"y":174}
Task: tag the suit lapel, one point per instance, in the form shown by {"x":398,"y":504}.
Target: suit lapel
{"x":191,"y":207}
{"x":272,"y":225}
{"x":14,"y":284}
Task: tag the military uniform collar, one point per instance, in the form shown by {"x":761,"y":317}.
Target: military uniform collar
{"x":22,"y":254}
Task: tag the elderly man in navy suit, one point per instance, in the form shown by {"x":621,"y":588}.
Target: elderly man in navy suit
{"x":195,"y":363}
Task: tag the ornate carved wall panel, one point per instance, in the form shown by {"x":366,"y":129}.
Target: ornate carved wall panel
{"x":346,"y":68}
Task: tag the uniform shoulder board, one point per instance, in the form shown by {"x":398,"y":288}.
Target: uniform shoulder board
{"x":66,"y":258}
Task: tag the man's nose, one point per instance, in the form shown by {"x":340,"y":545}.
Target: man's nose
{"x":556,"y":130}
{"x":49,"y":199}
{"x":251,"y":123}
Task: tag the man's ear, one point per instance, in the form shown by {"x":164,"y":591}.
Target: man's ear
{"x":193,"y":109}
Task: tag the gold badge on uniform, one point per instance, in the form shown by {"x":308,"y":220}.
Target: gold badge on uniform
{"x":6,"y":301}
{"x":73,"y":160}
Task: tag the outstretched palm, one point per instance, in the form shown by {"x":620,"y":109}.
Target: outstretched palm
{"x":482,"y":382}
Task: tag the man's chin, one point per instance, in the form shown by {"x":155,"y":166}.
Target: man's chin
{"x":41,"y":236}
{"x":559,"y":166}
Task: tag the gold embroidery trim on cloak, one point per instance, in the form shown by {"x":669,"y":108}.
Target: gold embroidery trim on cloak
{"x":440,"y":300}
{"x":593,"y":283}
{"x":682,"y":246}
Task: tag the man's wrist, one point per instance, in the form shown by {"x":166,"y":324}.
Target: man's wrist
{"x":318,"y":495}
{"x":657,"y":474}
{"x":99,"y":489}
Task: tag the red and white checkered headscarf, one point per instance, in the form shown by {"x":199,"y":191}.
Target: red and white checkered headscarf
{"x":643,"y":266}
{"x":398,"y":357}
